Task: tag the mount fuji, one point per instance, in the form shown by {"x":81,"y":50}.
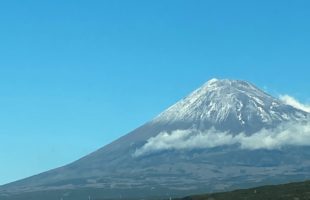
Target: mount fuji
{"x":227,"y":134}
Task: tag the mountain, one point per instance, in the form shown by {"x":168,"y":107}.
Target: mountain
{"x":226,"y":134}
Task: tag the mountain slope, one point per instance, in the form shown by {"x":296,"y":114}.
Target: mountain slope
{"x":144,"y":163}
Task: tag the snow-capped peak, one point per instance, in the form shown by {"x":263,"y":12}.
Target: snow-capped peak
{"x":232,"y":105}
{"x":213,"y":80}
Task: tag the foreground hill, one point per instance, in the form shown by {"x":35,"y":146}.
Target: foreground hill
{"x":291,"y":191}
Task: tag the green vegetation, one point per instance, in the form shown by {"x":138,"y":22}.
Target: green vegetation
{"x":291,"y":191}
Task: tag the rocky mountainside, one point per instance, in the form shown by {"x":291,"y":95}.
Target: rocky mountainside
{"x":227,"y":134}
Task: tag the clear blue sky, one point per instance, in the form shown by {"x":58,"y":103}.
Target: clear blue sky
{"x":75,"y":75}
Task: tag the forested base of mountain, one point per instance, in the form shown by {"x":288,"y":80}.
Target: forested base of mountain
{"x":291,"y":191}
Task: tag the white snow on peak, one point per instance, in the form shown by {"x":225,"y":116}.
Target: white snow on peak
{"x":220,"y":100}
{"x":213,"y":80}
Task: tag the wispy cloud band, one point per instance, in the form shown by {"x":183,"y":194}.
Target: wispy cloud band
{"x":289,"y":134}
{"x":294,"y":102}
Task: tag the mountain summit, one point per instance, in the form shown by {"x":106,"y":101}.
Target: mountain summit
{"x":231,"y":105}
{"x":226,"y":134}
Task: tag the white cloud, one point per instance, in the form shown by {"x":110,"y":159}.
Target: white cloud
{"x":290,"y":134}
{"x":294,"y":102}
{"x":184,"y":139}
